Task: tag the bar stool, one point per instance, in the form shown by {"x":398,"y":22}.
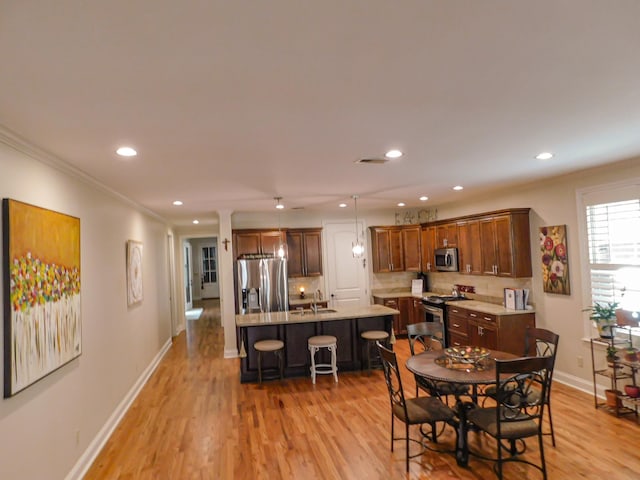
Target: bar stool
{"x":371,"y":337}
{"x":275,"y":346}
{"x":330,"y":343}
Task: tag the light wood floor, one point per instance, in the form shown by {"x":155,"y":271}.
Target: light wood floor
{"x":194,"y":420}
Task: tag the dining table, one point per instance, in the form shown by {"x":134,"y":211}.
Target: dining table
{"x":438,"y":366}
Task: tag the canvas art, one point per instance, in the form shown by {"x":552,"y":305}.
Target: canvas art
{"x":555,"y":261}
{"x":134,"y":272}
{"x":41,"y":260}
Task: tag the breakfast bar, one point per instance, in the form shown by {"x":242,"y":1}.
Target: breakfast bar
{"x":295,"y":327}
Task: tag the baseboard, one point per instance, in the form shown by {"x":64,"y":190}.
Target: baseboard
{"x":231,"y":353}
{"x":577,"y":383}
{"x":88,"y":457}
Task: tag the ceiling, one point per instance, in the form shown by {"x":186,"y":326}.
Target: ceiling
{"x":232,"y":103}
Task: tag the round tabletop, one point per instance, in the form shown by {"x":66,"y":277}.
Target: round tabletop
{"x":435,"y":365}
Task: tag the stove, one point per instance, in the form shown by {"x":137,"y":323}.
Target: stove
{"x":433,"y":308}
{"x":440,"y":299}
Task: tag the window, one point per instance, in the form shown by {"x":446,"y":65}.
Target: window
{"x":613,"y":235}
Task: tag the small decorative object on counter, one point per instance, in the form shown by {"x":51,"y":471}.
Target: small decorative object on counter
{"x":301,"y":292}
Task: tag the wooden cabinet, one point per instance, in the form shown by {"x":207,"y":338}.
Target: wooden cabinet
{"x":505,"y":244}
{"x":457,"y":327}
{"x":386,"y":246}
{"x":496,"y":332}
{"x":396,"y":248}
{"x":410,"y":309}
{"x":411,"y":248}
{"x":254,"y":241}
{"x":427,"y":246}
{"x":469,"y":247}
{"x":304,"y":254}
{"x":446,"y":235}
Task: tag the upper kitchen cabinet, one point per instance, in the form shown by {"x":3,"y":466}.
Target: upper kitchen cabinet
{"x":411,"y":247}
{"x":386,"y":248}
{"x":447,"y":235}
{"x":427,"y":246}
{"x":254,"y":241}
{"x":304,"y":252}
{"x":396,"y":248}
{"x":505,"y":243}
{"x":469,"y":247}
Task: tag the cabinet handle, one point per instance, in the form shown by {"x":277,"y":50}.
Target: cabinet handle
{"x":428,"y":266}
{"x":456,"y":325}
{"x":488,"y":319}
{"x":472,"y":315}
{"x":453,"y":310}
{"x":480,"y":331}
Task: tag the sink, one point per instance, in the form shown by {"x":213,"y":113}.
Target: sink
{"x":308,"y":311}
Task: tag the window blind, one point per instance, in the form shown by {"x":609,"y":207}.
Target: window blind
{"x":613,"y":231}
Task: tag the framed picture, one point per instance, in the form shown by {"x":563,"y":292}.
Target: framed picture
{"x":41,"y":280}
{"x":554,"y":259}
{"x":134,"y":272}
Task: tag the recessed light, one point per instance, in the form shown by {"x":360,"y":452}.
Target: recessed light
{"x":458,"y":187}
{"x":401,"y":204}
{"x":343,"y":205}
{"x":196,"y":222}
{"x":424,"y":198}
{"x":280,"y":206}
{"x":393,"y":154}
{"x":126,"y":152}
{"x":544,"y":156}
{"x":177,"y":203}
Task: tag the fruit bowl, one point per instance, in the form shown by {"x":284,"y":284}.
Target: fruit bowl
{"x":466,"y":354}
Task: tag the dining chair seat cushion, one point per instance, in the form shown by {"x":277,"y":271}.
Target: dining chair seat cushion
{"x":424,"y":410}
{"x":533,"y":396}
{"x":374,"y":335}
{"x":485,"y":418}
{"x":268,"y":345}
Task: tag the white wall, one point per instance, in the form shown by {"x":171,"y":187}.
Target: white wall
{"x":553,"y":202}
{"x":45,"y":429}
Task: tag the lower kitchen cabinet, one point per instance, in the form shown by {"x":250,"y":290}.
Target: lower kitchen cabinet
{"x":495,"y":332}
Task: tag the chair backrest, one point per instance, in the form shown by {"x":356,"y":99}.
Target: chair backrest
{"x":540,"y":342}
{"x":427,"y":334}
{"x":522,"y":385}
{"x":392,"y":377}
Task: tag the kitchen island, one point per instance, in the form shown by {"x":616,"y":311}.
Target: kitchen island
{"x":295,"y":327}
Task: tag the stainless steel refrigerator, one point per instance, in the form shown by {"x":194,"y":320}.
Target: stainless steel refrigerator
{"x":262,"y":285}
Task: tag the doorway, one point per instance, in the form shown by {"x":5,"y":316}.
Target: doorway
{"x":347,"y":279}
{"x":188,"y":286}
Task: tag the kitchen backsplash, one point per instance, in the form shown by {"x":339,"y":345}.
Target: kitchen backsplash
{"x":487,"y":289}
{"x":310,"y":285}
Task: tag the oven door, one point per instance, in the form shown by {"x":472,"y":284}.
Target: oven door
{"x":433,"y":314}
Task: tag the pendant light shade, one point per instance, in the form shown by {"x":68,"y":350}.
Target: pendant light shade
{"x":357,"y":248}
{"x":281,"y":250}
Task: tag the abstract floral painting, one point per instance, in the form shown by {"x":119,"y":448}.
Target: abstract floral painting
{"x":555,"y":263}
{"x":41,"y":259}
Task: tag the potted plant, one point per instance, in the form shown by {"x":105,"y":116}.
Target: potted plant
{"x":630,"y":354}
{"x":612,"y":354}
{"x":604,"y":316}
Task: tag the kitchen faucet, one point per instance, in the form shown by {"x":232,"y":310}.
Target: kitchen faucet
{"x":314,"y":305}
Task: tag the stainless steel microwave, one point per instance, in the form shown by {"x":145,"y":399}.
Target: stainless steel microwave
{"x":446,"y":259}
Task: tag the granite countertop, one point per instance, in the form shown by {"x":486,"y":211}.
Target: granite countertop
{"x":484,"y":307}
{"x":339,"y":313}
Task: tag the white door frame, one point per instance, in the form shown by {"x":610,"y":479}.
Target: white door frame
{"x":187,"y":256}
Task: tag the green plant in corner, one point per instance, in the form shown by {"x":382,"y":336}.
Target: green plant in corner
{"x":604,"y":316}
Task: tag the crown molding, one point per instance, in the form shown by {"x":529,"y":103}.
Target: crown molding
{"x":20,"y":144}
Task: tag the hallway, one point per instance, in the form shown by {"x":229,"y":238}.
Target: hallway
{"x":194,"y":420}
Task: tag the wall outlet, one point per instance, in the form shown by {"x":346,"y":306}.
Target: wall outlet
{"x":580,"y":361}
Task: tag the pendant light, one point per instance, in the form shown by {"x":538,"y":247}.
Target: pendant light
{"x":356,"y":247}
{"x":281,"y":252}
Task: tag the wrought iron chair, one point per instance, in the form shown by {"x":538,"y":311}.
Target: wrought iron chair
{"x":424,"y":337}
{"x":412,"y":411}
{"x":541,"y":343}
{"x":522,"y":386}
